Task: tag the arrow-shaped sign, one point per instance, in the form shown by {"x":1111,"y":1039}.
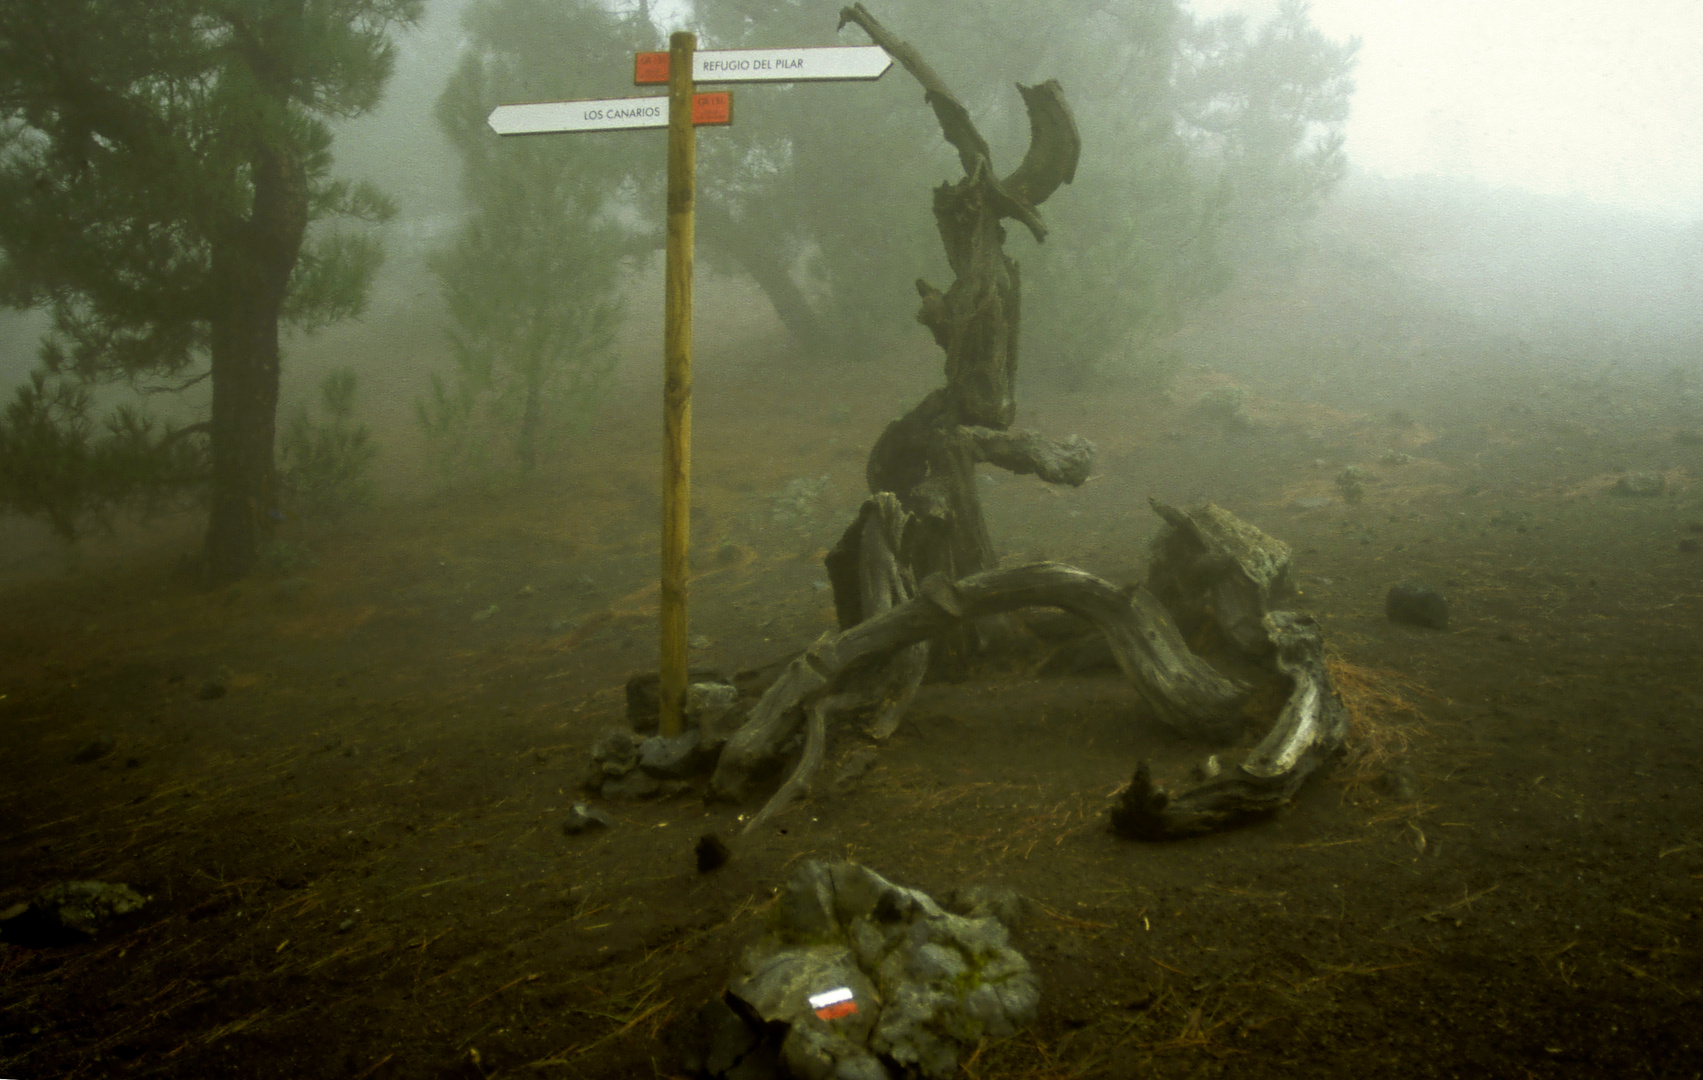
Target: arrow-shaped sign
{"x":830,"y":63}
{"x":690,"y":67}
{"x":605,"y":114}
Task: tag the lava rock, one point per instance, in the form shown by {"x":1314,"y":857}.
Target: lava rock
{"x":712,"y":852}
{"x":672,"y":758}
{"x":616,"y":752}
{"x":988,"y":902}
{"x":1642,"y":484}
{"x":1417,"y":605}
{"x":582,"y":817}
{"x":94,"y":751}
{"x":1224,"y":408}
{"x":68,"y":913}
{"x":915,"y":988}
{"x":635,"y":785}
{"x":708,"y":693}
{"x":715,"y":1040}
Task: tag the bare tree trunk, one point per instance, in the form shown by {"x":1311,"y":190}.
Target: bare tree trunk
{"x":252,"y":267}
{"x":770,"y":265}
{"x":927,"y":458}
{"x":532,"y":415}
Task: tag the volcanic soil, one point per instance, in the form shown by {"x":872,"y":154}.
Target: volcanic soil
{"x":341,"y":782}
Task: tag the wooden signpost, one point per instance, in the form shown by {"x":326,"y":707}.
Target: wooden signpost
{"x":681,"y":67}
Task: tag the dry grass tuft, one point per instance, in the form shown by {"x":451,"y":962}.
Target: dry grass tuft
{"x":1383,"y":719}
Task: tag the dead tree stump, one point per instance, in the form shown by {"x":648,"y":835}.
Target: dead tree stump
{"x":927,"y":458}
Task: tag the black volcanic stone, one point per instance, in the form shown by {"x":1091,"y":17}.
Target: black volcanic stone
{"x":712,"y":852}
{"x":1417,"y":605}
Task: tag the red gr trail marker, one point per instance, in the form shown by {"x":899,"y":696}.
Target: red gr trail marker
{"x":678,"y":68}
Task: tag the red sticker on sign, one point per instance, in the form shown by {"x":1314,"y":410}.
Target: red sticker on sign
{"x":650,"y":68}
{"x":716,"y":108}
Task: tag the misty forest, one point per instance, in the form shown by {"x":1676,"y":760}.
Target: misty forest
{"x":1160,"y":597}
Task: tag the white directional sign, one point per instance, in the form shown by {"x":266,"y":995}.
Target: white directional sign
{"x":771,"y":65}
{"x":606,"y":114}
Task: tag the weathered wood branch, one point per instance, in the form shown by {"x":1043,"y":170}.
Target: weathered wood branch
{"x":810,"y":760}
{"x":1183,"y":690}
{"x":1029,"y":453}
{"x":955,"y":122}
{"x":1054,"y":143}
{"x":1308,"y":732}
{"x":934,"y":313}
{"x":928,"y":457}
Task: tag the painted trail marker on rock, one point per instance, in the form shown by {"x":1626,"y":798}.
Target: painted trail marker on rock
{"x":677,"y":68}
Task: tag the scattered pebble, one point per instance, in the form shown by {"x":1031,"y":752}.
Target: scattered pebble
{"x":1641,"y":484}
{"x":1417,"y":605}
{"x":637,"y":784}
{"x":481,"y":616}
{"x":94,"y":751}
{"x":712,"y":853}
{"x":582,"y":817}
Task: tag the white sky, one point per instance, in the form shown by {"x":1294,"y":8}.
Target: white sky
{"x":1591,"y":98}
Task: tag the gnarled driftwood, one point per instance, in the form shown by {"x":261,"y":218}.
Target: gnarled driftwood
{"x":1183,"y":690}
{"x":927,"y":459}
{"x":1308,"y":732}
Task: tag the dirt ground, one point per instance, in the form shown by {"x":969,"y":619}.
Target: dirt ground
{"x":341,"y":782}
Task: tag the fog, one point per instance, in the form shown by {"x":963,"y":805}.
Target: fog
{"x":1521,"y":173}
{"x":1526,"y":167}
{"x":1286,"y":665}
{"x":1559,"y":99}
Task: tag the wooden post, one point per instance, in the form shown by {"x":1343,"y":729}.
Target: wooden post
{"x":677,"y":384}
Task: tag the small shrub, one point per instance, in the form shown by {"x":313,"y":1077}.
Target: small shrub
{"x":324,"y":466}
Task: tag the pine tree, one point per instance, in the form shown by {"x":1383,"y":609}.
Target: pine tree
{"x":165,"y":191}
{"x":531,"y":281}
